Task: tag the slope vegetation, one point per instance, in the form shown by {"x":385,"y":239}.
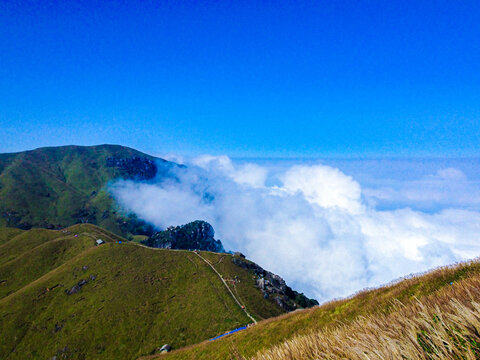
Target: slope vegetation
{"x":62,"y":295}
{"x":444,"y":325}
{"x":306,"y":334}
{"x":61,"y":186}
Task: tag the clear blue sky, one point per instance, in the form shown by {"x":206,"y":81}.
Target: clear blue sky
{"x":244,"y":78}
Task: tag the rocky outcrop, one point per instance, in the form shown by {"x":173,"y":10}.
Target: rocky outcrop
{"x":197,"y":235}
{"x":274,"y":287}
{"x":77,"y":287}
{"x":136,"y":167}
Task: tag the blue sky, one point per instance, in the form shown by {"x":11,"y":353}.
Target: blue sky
{"x":360,"y":85}
{"x":354,"y":79}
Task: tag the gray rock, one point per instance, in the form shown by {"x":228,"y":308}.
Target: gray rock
{"x":165,"y":348}
{"x":273,"y":286}
{"x":136,"y":167}
{"x":195,"y":235}
{"x":76,"y":288}
{"x":57,"y":328}
{"x":73,"y":290}
{"x":261,"y":283}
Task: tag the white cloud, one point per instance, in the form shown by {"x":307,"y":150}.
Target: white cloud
{"x":324,"y":186}
{"x":312,"y":227}
{"x":179,"y":159}
{"x":247,"y":174}
{"x":447,"y":187}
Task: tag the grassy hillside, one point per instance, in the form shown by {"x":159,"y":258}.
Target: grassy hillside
{"x":242,"y":286}
{"x":7,"y":234}
{"x":61,"y":186}
{"x":378,"y":303}
{"x":125,"y":300}
{"x":31,"y":254}
{"x":443,"y":325}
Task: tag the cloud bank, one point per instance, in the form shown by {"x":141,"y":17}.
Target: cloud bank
{"x":312,"y":224}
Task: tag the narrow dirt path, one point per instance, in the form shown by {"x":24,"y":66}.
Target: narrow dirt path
{"x":216,"y":272}
{"x":228,"y":288}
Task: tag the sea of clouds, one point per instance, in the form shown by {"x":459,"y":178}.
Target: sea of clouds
{"x":327,"y":232}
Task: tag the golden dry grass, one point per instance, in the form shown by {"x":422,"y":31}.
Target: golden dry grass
{"x":377,"y":302}
{"x":444,"y":325}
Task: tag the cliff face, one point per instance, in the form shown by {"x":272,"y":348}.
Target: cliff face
{"x":195,"y":235}
{"x":274,"y":287}
{"x":135,"y":168}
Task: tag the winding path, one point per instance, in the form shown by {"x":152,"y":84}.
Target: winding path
{"x":226,"y":285}
{"x":216,"y":272}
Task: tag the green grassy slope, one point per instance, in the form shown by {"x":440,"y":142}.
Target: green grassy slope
{"x":60,"y":186}
{"x":6,"y":234}
{"x":241,"y":283}
{"x":135,"y":298}
{"x":275,"y":331}
{"x":25,"y":241}
{"x":34,"y":253}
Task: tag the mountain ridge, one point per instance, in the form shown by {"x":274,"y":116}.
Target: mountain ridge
{"x":56,"y":187}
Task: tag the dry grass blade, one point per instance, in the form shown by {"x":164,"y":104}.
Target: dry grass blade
{"x":445,"y":325}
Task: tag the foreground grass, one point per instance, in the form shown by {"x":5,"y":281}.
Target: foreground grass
{"x":328,"y":317}
{"x":444,"y":325}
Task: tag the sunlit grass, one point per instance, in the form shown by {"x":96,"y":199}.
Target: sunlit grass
{"x":444,"y":325}
{"x":272,"y":336}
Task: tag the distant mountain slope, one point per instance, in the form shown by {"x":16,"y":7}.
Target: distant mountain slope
{"x":459,"y":283}
{"x":61,"y":295}
{"x":61,"y":186}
